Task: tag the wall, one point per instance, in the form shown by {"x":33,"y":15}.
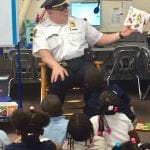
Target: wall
{"x":121,"y":6}
{"x":110,"y":11}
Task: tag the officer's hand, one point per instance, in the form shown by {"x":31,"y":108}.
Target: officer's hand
{"x":58,"y":71}
{"x":126,"y":31}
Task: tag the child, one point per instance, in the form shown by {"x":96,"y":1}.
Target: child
{"x":95,"y":82}
{"x":80,"y":135}
{"x":4,"y":140}
{"x":30,"y":126}
{"x":56,"y":130}
{"x":145,"y":146}
{"x":126,"y":146}
{"x":112,"y":124}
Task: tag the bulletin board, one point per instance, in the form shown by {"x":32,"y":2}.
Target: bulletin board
{"x":113,"y":14}
{"x":9,"y":32}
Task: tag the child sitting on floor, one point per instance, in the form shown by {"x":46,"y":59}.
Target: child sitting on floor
{"x":80,"y":135}
{"x":4,"y":140}
{"x":29,"y":125}
{"x":110,"y":122}
{"x":95,"y":82}
{"x":56,"y":129}
{"x":129,"y":145}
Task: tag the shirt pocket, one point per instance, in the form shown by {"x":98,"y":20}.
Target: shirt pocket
{"x":53,"y":40}
{"x":76,"y":36}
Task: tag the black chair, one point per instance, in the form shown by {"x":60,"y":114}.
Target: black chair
{"x":125,"y":65}
{"x":146,"y":60}
{"x":28,"y":69}
{"x":5,"y":76}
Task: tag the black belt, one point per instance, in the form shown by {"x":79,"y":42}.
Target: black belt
{"x":64,"y":62}
{"x":74,"y":59}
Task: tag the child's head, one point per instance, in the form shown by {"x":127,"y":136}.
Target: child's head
{"x":108,"y":102}
{"x":126,"y":146}
{"x":29,"y":124}
{"x":52,"y":104}
{"x":94,"y":77}
{"x":80,"y":128}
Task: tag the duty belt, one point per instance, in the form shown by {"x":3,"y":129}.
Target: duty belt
{"x":65,"y":62}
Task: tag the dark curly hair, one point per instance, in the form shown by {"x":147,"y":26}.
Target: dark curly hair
{"x":52,"y":104}
{"x":30,"y":124}
{"x":94,"y":77}
{"x":108,"y":102}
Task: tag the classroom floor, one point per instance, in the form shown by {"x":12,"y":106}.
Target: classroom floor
{"x":31,"y":96}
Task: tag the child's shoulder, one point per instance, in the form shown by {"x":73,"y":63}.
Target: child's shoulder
{"x":93,"y":118}
{"x":121,"y":116}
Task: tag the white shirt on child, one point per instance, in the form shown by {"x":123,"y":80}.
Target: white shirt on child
{"x":4,"y":140}
{"x":120,"y":125}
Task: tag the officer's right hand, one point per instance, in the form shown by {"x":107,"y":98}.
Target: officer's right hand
{"x":58,"y":71}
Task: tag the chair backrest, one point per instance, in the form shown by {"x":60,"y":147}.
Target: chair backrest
{"x":125,"y":60}
{"x":5,"y":68}
{"x":146,"y":60}
{"x":26,"y":62}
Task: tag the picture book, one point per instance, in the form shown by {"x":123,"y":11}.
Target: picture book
{"x":143,"y":126}
{"x":137,"y":19}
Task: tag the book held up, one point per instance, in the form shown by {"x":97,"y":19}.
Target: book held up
{"x":137,"y":19}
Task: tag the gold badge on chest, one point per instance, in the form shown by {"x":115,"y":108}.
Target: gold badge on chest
{"x":72,"y":25}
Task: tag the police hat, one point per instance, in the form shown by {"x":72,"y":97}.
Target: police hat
{"x":53,"y":3}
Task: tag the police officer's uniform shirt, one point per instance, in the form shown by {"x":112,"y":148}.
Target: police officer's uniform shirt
{"x":64,"y":41}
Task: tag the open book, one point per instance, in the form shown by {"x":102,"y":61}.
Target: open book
{"x":143,"y":126}
{"x":137,"y":19}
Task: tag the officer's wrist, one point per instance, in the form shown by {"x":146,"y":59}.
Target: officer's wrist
{"x":120,"y":35}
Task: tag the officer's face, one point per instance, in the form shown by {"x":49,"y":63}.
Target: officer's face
{"x":59,"y":15}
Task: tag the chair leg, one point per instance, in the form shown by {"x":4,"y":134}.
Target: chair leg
{"x":147,"y":90}
{"x":108,"y":78}
{"x":9,"y":85}
{"x":139,"y":87}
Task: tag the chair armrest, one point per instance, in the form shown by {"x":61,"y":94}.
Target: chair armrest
{"x":98,"y":64}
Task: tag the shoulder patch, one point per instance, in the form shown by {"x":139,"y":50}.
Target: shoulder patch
{"x":34,"y":32}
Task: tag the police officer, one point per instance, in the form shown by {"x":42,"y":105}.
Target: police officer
{"x":60,"y":41}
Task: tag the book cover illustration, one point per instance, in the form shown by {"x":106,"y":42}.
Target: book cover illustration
{"x":143,"y":126}
{"x":137,"y":19}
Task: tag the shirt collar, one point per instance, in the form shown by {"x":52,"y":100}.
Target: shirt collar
{"x":57,"y":118}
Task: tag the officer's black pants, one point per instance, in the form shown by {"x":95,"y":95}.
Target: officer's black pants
{"x":76,"y":70}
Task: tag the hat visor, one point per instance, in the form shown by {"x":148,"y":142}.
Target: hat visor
{"x":62,"y":4}
{"x":44,"y":4}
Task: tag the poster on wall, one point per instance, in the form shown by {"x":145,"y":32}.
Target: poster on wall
{"x":116,"y":17}
{"x":9,"y":33}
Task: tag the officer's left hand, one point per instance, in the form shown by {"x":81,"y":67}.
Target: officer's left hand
{"x":126,"y":31}
{"x":58,"y":71}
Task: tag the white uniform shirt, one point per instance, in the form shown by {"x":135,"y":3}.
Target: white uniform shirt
{"x":120,"y":125}
{"x":64,"y":41}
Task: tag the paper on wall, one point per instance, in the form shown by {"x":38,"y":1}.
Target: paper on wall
{"x":137,"y":19}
